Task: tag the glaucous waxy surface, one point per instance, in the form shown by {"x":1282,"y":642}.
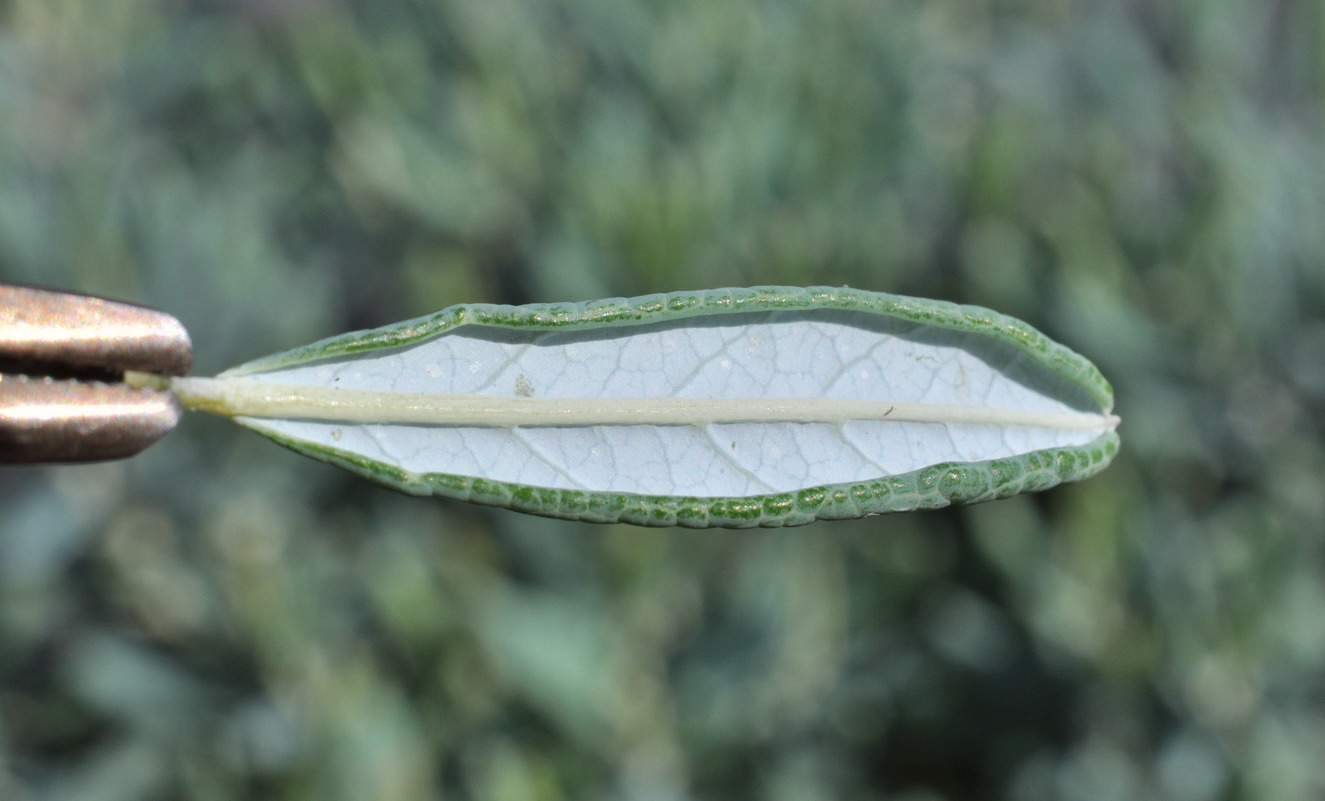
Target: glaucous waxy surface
{"x":764,"y":406}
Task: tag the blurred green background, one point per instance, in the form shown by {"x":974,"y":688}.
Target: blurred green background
{"x":218,"y":618}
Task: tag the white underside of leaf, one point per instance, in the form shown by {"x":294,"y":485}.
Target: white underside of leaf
{"x":812,"y":373}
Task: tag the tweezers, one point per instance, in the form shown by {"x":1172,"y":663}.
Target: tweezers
{"x":63,"y":356}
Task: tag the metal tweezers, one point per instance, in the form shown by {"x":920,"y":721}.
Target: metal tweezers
{"x":63,"y":357}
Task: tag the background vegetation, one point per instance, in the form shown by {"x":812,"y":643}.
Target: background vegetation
{"x":221,"y":619}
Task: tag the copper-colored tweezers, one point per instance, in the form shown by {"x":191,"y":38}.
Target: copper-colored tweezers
{"x":62,"y":358}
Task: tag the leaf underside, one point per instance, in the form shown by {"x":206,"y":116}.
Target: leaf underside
{"x":758,"y":343}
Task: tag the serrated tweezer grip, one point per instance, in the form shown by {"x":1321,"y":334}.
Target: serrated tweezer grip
{"x":62,"y":356}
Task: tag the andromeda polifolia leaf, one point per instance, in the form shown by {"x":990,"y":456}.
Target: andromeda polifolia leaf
{"x":769,"y":406}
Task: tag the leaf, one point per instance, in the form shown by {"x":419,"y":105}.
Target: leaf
{"x":738,"y":407}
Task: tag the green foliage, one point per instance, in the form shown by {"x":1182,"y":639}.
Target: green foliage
{"x":218,"y":618}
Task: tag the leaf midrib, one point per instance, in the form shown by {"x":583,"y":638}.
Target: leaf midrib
{"x":245,"y":397}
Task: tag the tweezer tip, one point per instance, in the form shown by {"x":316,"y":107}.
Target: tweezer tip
{"x":56,"y":350}
{"x":53,"y":327}
{"x":47,"y":421}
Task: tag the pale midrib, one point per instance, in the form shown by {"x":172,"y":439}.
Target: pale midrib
{"x":235,"y":397}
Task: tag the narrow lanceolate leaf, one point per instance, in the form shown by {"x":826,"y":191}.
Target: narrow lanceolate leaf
{"x":739,"y":407}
